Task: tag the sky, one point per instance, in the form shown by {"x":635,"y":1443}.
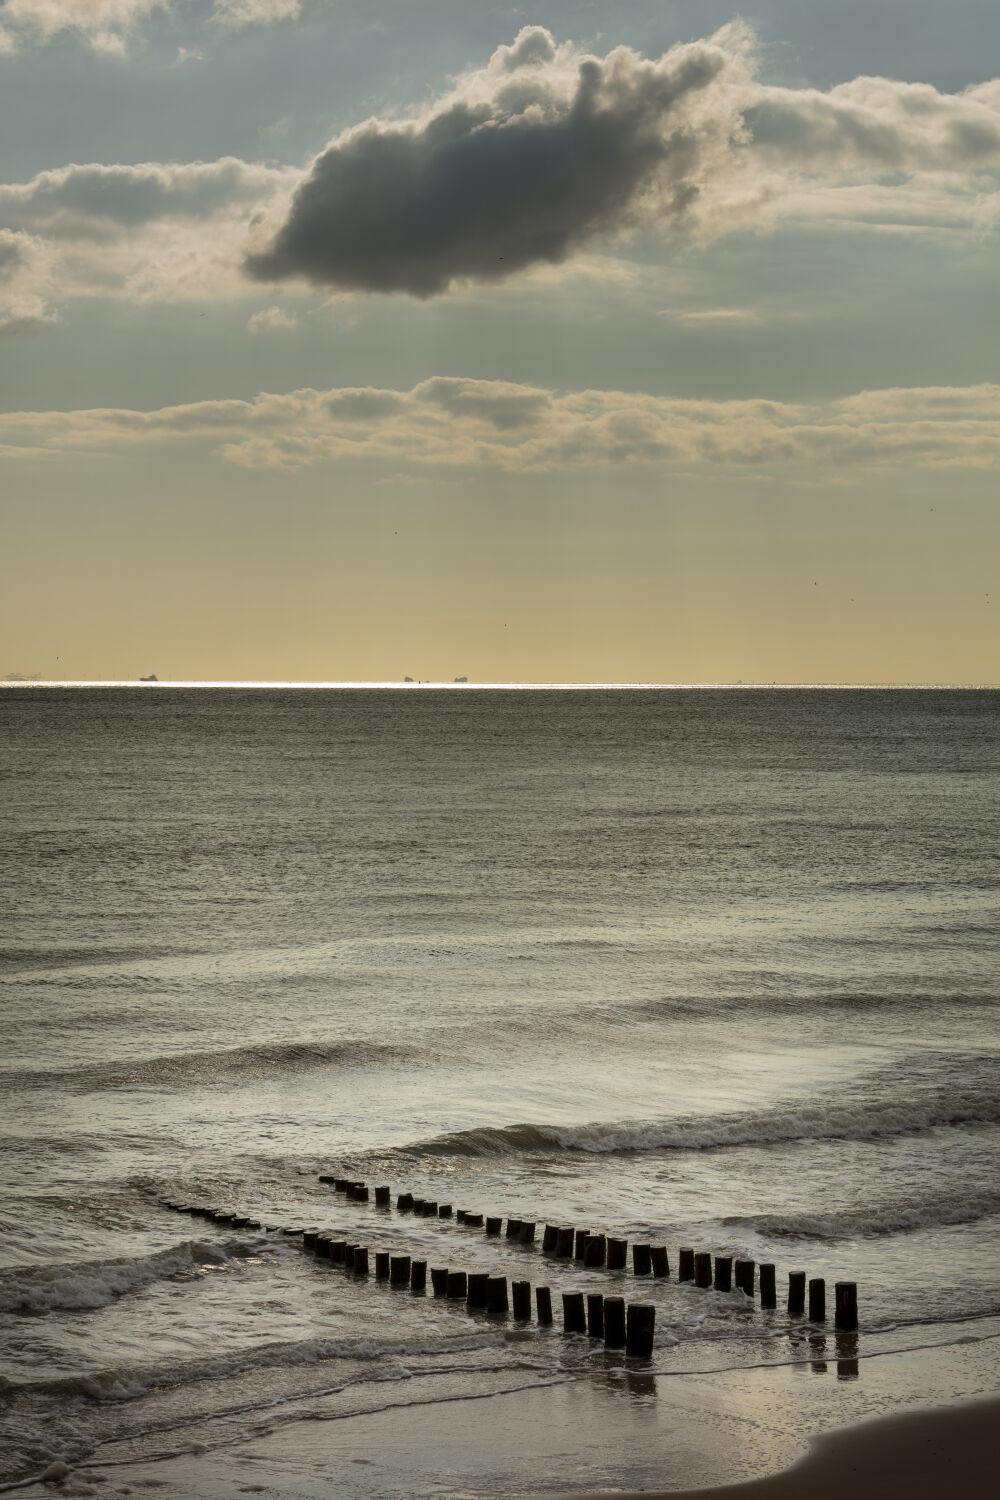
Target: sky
{"x":349,"y":340}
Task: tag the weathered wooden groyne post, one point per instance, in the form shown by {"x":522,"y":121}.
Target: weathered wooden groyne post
{"x":574,"y":1316}
{"x":614,"y":1322}
{"x":639,"y":1327}
{"x":845,"y":1305}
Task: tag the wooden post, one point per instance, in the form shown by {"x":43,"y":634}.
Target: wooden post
{"x":323,"y":1246}
{"x":418,"y":1276}
{"x":417,"y":1205}
{"x":493,"y":1226}
{"x":685,"y":1264}
{"x":723,"y":1273}
{"x":743,"y":1276}
{"x":543,"y":1305}
{"x":564,"y":1243}
{"x":549,"y":1237}
{"x":444,"y":1210}
{"x":496,"y":1296}
{"x":527,"y":1235}
{"x":381,"y":1265}
{"x":661,"y":1265}
{"x":430,"y":1209}
{"x":846,"y":1305}
{"x":642,"y":1260}
{"x":439,"y":1280}
{"x":617,"y":1255}
{"x":614,"y":1322}
{"x":405,"y":1203}
{"x":476,"y":1296}
{"x":595,"y":1250}
{"x":796,"y":1294}
{"x":582,"y":1236}
{"x":360,"y":1193}
{"x":457,"y":1284}
{"x":595,"y":1315}
{"x":400,"y":1268}
{"x":360,"y":1260}
{"x":382,"y":1196}
{"x":309,"y":1239}
{"x":639,"y":1327}
{"x":474,"y":1221}
{"x":520,"y":1292}
{"x":460,"y":1216}
{"x":513,"y":1229}
{"x":341,"y":1184}
{"x":349,"y":1249}
{"x":574,"y":1317}
{"x":768,"y":1293}
{"x":702,"y":1268}
{"x":817,"y":1300}
{"x":337,"y":1249}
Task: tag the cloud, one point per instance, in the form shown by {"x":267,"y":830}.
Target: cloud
{"x":88,"y":201}
{"x":237,"y":13}
{"x":548,"y":149}
{"x":525,"y":162}
{"x":452,"y":421}
{"x":271,"y":317}
{"x":108,"y":25}
{"x":150,"y":231}
{"x":104,"y":24}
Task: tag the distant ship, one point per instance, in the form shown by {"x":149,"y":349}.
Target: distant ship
{"x":152,"y":678}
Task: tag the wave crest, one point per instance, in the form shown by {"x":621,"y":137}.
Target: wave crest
{"x":250,"y":1063}
{"x":88,"y":1285}
{"x":858,"y":1121}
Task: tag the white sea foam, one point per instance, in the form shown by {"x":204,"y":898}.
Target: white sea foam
{"x":92,"y":1284}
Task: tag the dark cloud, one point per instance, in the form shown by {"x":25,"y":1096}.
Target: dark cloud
{"x":524,"y":163}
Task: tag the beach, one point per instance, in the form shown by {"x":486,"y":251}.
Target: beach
{"x":707,"y":971}
{"x":780,"y":1434}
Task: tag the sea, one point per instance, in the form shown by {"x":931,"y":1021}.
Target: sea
{"x":706,"y":968}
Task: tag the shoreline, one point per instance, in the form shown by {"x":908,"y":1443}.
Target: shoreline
{"x":920,"y":1455}
{"x":916,"y":1424}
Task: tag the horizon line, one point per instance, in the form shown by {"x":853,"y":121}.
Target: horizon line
{"x":466,"y":686}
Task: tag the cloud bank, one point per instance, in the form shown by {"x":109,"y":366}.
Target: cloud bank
{"x":548,"y":149}
{"x":535,"y":164}
{"x":452,"y":421}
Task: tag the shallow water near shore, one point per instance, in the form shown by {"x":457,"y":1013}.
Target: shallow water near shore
{"x":707,"y":968}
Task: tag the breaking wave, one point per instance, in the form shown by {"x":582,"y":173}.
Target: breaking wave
{"x":88,"y":1285}
{"x":875,"y":1220}
{"x":871,"y":1119}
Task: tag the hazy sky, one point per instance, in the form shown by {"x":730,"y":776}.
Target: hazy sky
{"x":348,"y":339}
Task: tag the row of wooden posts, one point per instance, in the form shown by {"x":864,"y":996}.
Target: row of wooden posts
{"x":621,"y":1326}
{"x":722,"y":1273}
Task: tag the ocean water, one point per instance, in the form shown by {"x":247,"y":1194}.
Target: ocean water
{"x":708,"y":968}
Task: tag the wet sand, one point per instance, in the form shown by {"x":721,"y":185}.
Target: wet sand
{"x":909,"y":1424}
{"x":941,"y":1454}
